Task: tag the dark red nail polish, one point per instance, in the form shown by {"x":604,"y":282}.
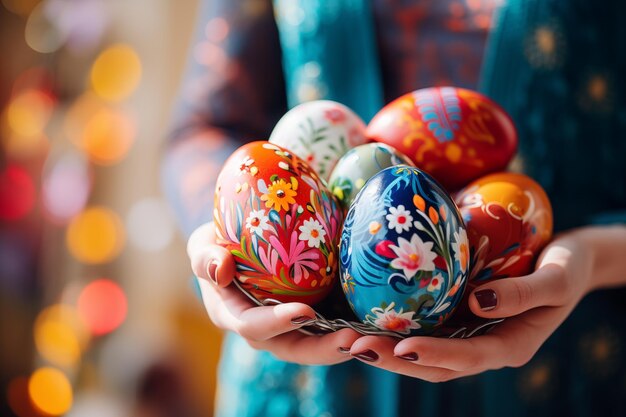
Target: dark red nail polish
{"x":297,"y":321}
{"x":487,"y":299}
{"x":213,"y":271}
{"x":343,"y":350}
{"x":367,"y":355}
{"x":411,"y":356}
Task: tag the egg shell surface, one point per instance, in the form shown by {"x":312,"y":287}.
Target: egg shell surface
{"x":404,"y":253}
{"x":454,"y":134}
{"x":320,"y":132}
{"x":280,"y":222}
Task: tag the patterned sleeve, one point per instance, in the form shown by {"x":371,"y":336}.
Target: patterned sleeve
{"x":233,"y":92}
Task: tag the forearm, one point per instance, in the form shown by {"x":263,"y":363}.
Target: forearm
{"x":608,"y":244}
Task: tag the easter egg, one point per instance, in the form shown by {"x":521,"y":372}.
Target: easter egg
{"x":509,"y":220}
{"x":454,"y":134}
{"x":404,"y":253}
{"x":320,"y":132}
{"x":359,"y":165}
{"x":280,"y":222}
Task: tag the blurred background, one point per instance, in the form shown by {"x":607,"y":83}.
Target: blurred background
{"x":98,"y":314}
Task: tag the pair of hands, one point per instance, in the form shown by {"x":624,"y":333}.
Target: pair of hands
{"x":536,"y":304}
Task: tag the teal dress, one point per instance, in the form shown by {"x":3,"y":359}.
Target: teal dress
{"x":558,"y":68}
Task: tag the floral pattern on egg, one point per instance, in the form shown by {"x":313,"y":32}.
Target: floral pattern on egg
{"x":280,"y":222}
{"x":404,"y":253}
{"x":359,"y":165}
{"x":320,"y":132}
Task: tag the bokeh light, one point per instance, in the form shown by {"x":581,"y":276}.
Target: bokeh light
{"x":34,"y":78}
{"x":97,"y":404}
{"x":149,"y":225}
{"x":60,"y":335}
{"x":42,"y":33}
{"x":83,"y":21}
{"x":19,"y":399}
{"x":103,"y":306}
{"x":20,"y":7}
{"x":17,"y":192}
{"x":50,"y":391}
{"x":79,"y":113}
{"x":66,"y":187}
{"x":95,"y":236}
{"x":24,"y":147}
{"x":29,"y":112}
{"x":116,"y":72}
{"x":107,"y":137}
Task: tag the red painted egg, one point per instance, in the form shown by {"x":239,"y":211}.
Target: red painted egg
{"x":456,"y":135}
{"x":280,"y":222}
{"x":509,"y":220}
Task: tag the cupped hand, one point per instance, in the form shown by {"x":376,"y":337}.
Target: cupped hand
{"x":535,"y":305}
{"x":268,"y":328}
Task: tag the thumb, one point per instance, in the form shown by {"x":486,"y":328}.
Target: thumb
{"x":213,"y":263}
{"x":512,"y":296}
{"x":209,"y":260}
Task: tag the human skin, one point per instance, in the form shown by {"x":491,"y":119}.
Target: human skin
{"x":574,"y":264}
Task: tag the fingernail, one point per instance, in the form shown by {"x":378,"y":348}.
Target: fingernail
{"x":302,"y":320}
{"x":411,"y":356}
{"x":367,"y":355}
{"x":343,"y":350}
{"x":487,"y":299}
{"x":213,"y":271}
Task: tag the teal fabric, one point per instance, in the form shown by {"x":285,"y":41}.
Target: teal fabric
{"x":567,"y":98}
{"x":557,"y":67}
{"x":330,"y":52}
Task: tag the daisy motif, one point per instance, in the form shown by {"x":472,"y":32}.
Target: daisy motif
{"x":257,"y":222}
{"x":396,"y":321}
{"x":435,"y":283}
{"x":312,"y":232}
{"x":412,"y":256}
{"x":399,"y":218}
{"x":279,"y":195}
{"x":460,"y":246}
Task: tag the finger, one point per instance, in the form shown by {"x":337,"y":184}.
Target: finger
{"x":262,"y":323}
{"x":379,"y":352}
{"x":511,"y":343}
{"x":231,"y":310}
{"x":512,"y":296}
{"x":454,"y":354}
{"x":328,"y":349}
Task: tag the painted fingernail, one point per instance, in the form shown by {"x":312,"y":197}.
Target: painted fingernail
{"x":487,"y":299}
{"x":213,"y":271}
{"x":367,"y":355}
{"x":343,"y":350}
{"x":411,"y":356}
{"x":302,"y":320}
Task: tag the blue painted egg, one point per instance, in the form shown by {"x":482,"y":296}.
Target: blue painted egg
{"x":404,"y":252}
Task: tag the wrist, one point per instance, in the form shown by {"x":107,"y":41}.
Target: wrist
{"x":607,"y":248}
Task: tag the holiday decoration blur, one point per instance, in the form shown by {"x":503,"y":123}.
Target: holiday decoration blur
{"x":93,"y":296}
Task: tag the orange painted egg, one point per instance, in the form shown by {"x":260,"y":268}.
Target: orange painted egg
{"x":454,"y":134}
{"x":509,"y":220}
{"x":280,"y":222}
